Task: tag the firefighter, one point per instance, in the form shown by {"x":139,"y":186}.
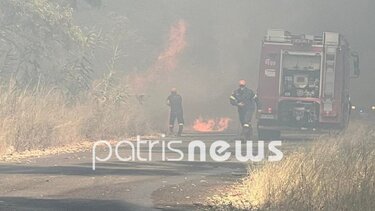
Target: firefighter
{"x":174,"y":101}
{"x":245,"y":100}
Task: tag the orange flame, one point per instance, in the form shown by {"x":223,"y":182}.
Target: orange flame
{"x":166,"y":61}
{"x":211,"y":125}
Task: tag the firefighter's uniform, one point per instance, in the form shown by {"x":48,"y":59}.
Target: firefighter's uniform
{"x":174,"y":101}
{"x":245,"y":100}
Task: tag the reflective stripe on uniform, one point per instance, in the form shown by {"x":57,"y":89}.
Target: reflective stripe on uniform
{"x":233,"y":98}
{"x":246,"y":125}
{"x":181,"y":124}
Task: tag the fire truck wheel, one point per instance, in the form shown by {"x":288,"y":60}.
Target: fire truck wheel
{"x":268,"y":134}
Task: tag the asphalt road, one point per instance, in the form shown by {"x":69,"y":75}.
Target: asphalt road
{"x":67,"y":181}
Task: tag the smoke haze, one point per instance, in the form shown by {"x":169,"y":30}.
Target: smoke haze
{"x":223,"y":43}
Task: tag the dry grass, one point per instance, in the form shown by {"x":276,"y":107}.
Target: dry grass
{"x":115,"y":121}
{"x":29,"y":121}
{"x":337,"y":173}
{"x":32,"y":120}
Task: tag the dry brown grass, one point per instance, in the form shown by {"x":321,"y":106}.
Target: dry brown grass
{"x":337,"y":173}
{"x":32,"y":120}
{"x":115,"y":121}
{"x":29,"y":121}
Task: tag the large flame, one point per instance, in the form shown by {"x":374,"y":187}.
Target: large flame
{"x":166,"y":61}
{"x":211,"y":125}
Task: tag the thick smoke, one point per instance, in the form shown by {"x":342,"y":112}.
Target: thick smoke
{"x":223,"y":42}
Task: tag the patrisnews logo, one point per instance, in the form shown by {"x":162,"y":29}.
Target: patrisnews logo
{"x":217,"y":151}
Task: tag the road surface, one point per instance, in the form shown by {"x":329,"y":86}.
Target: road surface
{"x":67,"y":181}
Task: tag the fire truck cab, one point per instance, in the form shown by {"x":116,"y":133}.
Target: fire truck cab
{"x":304,"y":82}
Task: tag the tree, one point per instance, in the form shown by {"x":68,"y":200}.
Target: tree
{"x":40,"y":45}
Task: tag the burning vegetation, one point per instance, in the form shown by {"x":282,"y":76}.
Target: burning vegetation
{"x":51,"y":93}
{"x":166,"y":61}
{"x":211,"y":125}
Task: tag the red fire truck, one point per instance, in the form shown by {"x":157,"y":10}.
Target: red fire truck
{"x":304,"y":82}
